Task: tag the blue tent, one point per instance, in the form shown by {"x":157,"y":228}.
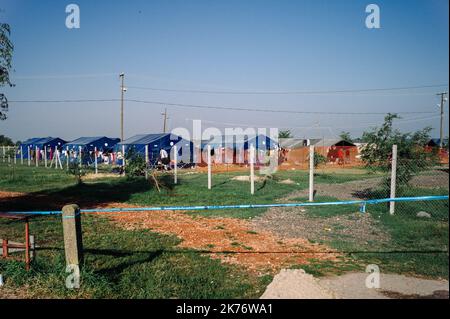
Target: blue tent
{"x":88,"y":145}
{"x":260,"y":142}
{"x":41,"y":143}
{"x":155,"y":143}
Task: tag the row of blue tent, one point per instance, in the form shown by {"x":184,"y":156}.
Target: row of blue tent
{"x":138,"y":143}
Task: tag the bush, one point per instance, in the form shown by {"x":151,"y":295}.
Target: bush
{"x":135,"y":164}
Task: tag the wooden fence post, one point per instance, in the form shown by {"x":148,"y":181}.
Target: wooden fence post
{"x":73,"y":243}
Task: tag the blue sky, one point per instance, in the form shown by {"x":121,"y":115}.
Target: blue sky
{"x":223,"y":45}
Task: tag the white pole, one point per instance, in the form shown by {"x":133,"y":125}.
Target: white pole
{"x":67,"y":157}
{"x":393,"y":178}
{"x":175,"y":168}
{"x":21,"y":154}
{"x":29,"y":155}
{"x":55,"y":157}
{"x":209,"y":166}
{"x":79,"y":155}
{"x":311,"y":173}
{"x":123,"y":160}
{"x":9,"y":156}
{"x":53,"y":160}
{"x":58,"y":158}
{"x":36,"y":156}
{"x":15,"y":155}
{"x":252,"y":169}
{"x":95,"y":160}
{"x":4,"y":153}
{"x":146,"y":161}
{"x":45,"y":156}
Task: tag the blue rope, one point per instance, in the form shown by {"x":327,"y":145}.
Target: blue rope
{"x":362,"y":204}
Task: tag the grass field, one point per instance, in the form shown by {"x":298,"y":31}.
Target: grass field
{"x":123,"y":263}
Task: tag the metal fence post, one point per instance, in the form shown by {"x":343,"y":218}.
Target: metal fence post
{"x":95,"y":160}
{"x":175,"y":168}
{"x":36,"y":156}
{"x":393,"y":178}
{"x":209,"y":166}
{"x":45,"y":155}
{"x":252,"y":169}
{"x":146,"y":161}
{"x":311,"y":173}
{"x":123,"y":159}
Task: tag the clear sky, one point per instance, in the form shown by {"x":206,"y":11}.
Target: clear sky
{"x":227,"y":45}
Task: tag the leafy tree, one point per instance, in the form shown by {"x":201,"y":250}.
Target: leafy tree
{"x":319,"y":159}
{"x":346,"y":136}
{"x":6,"y":141}
{"x":284,"y":134}
{"x":411,"y":155}
{"x":6,"y":50}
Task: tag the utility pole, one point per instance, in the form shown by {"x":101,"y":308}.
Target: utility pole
{"x":122,"y":91}
{"x":165,"y":120}
{"x":441,"y":132}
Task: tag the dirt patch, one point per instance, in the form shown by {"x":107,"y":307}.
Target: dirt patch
{"x":287,"y":182}
{"x":342,"y":191}
{"x":90,"y":176}
{"x":296,"y":223}
{"x":435,"y":178}
{"x":353,"y":286}
{"x":14,"y":293}
{"x":231,"y":240}
{"x":246,"y":178}
{"x":295,"y":284}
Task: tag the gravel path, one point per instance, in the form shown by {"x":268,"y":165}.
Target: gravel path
{"x":297,"y":223}
{"x":296,"y":284}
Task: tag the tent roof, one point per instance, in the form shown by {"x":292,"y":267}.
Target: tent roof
{"x":292,"y":142}
{"x":436,"y":141}
{"x":87,"y":140}
{"x":41,"y":140}
{"x":330,"y":142}
{"x":143,"y":139}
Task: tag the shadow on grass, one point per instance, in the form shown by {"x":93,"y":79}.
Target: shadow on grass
{"x":86,"y":195}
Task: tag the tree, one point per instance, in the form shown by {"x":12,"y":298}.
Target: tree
{"x":346,"y":136}
{"x":411,"y":155}
{"x":284,"y":134}
{"x":6,"y":141}
{"x":6,"y":51}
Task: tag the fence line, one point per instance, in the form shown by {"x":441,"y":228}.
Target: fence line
{"x":362,"y":204}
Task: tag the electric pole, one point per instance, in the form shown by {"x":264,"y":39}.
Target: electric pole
{"x":441,"y":132}
{"x":122,"y":91}
{"x":165,"y":120}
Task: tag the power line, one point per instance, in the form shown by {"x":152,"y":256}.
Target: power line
{"x":318,"y":92}
{"x":214,"y":107}
{"x":268,"y":110}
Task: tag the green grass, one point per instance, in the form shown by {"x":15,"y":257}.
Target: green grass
{"x":136,"y":264}
{"x":125,"y":264}
{"x":190,"y":190}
